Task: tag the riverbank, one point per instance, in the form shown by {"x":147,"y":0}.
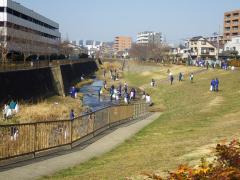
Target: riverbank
{"x":49,"y":109}
{"x":194,"y":120}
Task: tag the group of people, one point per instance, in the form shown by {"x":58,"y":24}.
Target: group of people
{"x":10,"y":109}
{"x":147,"y":98}
{"x":180,"y":77}
{"x":116,"y":93}
{"x":214,"y":86}
{"x":113,"y":74}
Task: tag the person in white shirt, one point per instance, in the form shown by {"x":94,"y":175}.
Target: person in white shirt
{"x":7,"y":112}
{"x":148,"y":99}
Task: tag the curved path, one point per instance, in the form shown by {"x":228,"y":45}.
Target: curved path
{"x":96,"y":147}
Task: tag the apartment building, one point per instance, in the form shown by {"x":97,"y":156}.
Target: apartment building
{"x":22,"y":29}
{"x":233,"y":45}
{"x":122,"y":43}
{"x":231,"y":24}
{"x":149,"y":37}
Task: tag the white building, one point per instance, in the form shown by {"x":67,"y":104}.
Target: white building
{"x":24,"y":30}
{"x":147,"y":37}
{"x":233,"y":45}
{"x":93,"y":47}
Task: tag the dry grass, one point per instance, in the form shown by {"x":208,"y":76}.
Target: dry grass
{"x":51,"y":109}
{"x":182,"y":134}
{"x":84,"y":82}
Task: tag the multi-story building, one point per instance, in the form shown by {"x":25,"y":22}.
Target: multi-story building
{"x":200,"y":47}
{"x":231,"y":24}
{"x":24,"y":30}
{"x":80,"y":43}
{"x":122,"y":43}
{"x":149,"y":37}
{"x":216,"y":39}
{"x":93,"y":47}
{"x":233,"y":45}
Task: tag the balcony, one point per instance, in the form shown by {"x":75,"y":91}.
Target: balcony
{"x":193,"y":53}
{"x":227,"y":16}
{"x":235,"y":23}
{"x":205,"y":52}
{"x":235,"y":28}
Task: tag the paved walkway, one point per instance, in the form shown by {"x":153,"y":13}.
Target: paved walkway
{"x":100,"y":146}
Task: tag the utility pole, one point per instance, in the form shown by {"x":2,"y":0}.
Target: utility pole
{"x":218,"y":43}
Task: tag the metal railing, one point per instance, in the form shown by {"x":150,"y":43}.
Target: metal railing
{"x":31,"y":138}
{"x":17,"y":66}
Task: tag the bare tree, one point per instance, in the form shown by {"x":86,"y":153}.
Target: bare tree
{"x":65,"y":49}
{"x":139,"y":52}
{"x":5,"y":40}
{"x":155,"y":52}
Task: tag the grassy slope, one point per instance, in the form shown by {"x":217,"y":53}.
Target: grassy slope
{"x":194,"y":118}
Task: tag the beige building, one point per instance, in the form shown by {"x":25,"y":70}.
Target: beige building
{"x":200,"y":47}
{"x":231,"y":24}
{"x":122,"y":43}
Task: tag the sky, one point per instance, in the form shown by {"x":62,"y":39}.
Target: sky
{"x":104,"y":19}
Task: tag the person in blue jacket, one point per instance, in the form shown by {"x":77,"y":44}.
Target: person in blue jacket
{"x":213,"y":85}
{"x":216,"y":84}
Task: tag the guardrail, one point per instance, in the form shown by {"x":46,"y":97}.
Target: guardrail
{"x":32,"y":139}
{"x":17,"y":66}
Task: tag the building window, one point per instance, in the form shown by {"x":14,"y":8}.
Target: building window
{"x":235,"y":22}
{"x":203,"y":43}
{"x":235,"y":15}
{"x":235,"y":28}
{"x":228,"y":16}
{"x":227,"y":28}
{"x":2,"y":9}
{"x":28,"y":18}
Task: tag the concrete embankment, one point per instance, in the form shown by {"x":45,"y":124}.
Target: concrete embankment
{"x":35,"y":83}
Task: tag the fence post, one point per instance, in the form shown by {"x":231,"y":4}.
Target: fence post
{"x":71,"y":130}
{"x":108,"y":111}
{"x":35,"y":138}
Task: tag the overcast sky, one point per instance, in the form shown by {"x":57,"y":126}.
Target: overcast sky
{"x":104,"y":19}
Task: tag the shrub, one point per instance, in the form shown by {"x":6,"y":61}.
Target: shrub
{"x":225,"y":167}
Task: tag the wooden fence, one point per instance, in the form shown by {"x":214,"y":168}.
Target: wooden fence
{"x":23,"y":139}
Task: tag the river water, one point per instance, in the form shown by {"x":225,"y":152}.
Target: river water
{"x":91,"y":98}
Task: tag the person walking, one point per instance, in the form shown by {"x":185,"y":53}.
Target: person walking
{"x":207,"y":65}
{"x":120,"y":90}
{"x":171,"y":79}
{"x":180,"y":77}
{"x":104,"y":73}
{"x":126,"y":98}
{"x":111,"y":92}
{"x":216,"y":84}
{"x":99,"y":93}
{"x":191,"y":77}
{"x":212,"y":87}
{"x":72,"y":116}
{"x":153,"y":83}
